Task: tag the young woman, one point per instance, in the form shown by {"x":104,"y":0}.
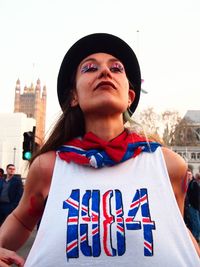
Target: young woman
{"x":106,"y":195}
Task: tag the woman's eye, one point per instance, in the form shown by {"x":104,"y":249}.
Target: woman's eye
{"x":117,"y":68}
{"x":89,"y":68}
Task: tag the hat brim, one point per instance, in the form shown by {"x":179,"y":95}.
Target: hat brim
{"x":99,"y":43}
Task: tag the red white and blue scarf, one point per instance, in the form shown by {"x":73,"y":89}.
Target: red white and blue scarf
{"x":95,"y":152}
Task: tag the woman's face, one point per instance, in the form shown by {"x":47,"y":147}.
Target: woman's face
{"x":102,"y":86}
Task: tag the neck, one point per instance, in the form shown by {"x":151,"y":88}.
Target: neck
{"x":105,"y":128}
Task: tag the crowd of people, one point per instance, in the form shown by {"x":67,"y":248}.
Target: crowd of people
{"x":105,"y":193}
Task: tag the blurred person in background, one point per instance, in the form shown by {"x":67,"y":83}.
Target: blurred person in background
{"x":189,"y":178}
{"x":11,"y":190}
{"x":1,"y":173}
{"x":192,"y":205}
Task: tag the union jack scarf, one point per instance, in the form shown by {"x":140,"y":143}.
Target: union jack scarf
{"x":95,"y":152}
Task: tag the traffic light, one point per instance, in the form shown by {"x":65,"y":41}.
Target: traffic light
{"x":28,"y":145}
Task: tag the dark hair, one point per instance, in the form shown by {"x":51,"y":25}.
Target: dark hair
{"x":9,"y":165}
{"x":71,"y":124}
{"x":2,"y":171}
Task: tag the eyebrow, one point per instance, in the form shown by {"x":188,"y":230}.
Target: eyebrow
{"x":113,"y":59}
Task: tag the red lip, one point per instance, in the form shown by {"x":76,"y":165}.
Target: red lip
{"x":105,"y":83}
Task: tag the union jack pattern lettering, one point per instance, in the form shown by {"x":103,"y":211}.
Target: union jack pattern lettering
{"x":84,"y":225}
{"x":148,"y":224}
{"x":86,"y":249}
{"x":107,"y":223}
{"x":120,"y":224}
{"x":132,"y":224}
{"x":72,"y":203}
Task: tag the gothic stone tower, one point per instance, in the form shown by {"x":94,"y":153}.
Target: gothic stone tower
{"x":33,"y":103}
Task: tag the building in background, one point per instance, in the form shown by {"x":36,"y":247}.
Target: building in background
{"x":13,"y":125}
{"x":187,"y":139}
{"x":32,"y":102}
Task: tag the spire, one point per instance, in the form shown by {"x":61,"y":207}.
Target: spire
{"x":17,"y":87}
{"x":31,"y":88}
{"x":38,"y":86}
{"x":44,"y":92}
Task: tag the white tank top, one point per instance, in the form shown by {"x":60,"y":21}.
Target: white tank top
{"x":125,"y":215}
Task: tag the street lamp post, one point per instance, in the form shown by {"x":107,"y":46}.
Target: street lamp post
{"x":14,"y":153}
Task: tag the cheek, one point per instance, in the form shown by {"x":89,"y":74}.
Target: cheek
{"x":124,"y":82}
{"x":125,"y":87}
{"x":83,"y":88}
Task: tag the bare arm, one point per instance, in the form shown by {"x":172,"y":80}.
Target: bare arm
{"x":19,"y":224}
{"x":177,"y":169}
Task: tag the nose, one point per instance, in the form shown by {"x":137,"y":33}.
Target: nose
{"x":104,"y":72}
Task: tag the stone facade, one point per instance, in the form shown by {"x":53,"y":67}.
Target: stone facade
{"x":32,"y":102}
{"x":188,"y":139}
{"x":191,"y":154}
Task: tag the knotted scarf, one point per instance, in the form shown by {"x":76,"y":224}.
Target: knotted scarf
{"x":95,"y":152}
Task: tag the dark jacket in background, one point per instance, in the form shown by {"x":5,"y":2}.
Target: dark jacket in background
{"x":193,"y":194}
{"x":15,"y":192}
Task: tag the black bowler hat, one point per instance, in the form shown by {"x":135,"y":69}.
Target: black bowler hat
{"x":99,"y":43}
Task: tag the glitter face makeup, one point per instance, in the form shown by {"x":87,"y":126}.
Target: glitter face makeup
{"x":117,"y":67}
{"x":92,"y":67}
{"x":89,"y":67}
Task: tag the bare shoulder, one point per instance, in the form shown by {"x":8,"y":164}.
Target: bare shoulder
{"x":41,"y":171}
{"x":176,"y":165}
{"x":44,"y":163}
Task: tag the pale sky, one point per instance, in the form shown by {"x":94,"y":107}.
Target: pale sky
{"x":165,"y":35}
